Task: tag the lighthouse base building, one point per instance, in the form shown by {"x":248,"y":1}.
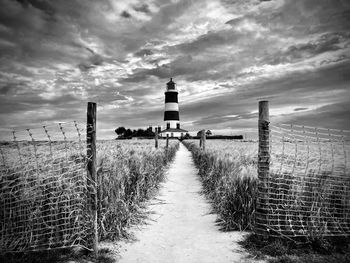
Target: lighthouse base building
{"x":173,"y":133}
{"x":171,"y":113}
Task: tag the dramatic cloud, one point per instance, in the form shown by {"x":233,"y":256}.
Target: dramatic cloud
{"x":55,"y":56}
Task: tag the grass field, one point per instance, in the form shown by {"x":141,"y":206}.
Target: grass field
{"x":45,"y":191}
{"x":129,"y":173}
{"x":50,"y":184}
{"x":308,"y":190}
{"x":228,"y":170}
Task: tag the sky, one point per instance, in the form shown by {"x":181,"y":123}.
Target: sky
{"x":224,"y":55}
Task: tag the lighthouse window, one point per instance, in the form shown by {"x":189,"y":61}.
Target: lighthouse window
{"x":168,"y":125}
{"x":177,"y":125}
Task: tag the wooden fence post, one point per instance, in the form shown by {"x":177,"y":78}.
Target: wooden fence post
{"x":156,"y":139}
{"x":263,"y":169}
{"x":167,"y":141}
{"x":91,"y":167}
{"x":203,"y":136}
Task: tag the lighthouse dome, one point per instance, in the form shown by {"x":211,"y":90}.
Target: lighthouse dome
{"x":171,"y":84}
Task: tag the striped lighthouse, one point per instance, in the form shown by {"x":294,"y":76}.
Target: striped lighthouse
{"x":171,"y":111}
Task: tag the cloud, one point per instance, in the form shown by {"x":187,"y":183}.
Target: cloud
{"x":43,"y":6}
{"x":235,"y":21}
{"x":225,"y":55}
{"x":92,"y":61}
{"x":325,"y":43}
{"x":5,"y":89}
{"x":329,"y":116}
{"x":144,"y":8}
{"x":300,"y":109}
{"x":206,"y":41}
{"x":303,"y":17}
{"x":125,"y":14}
{"x":143,"y":52}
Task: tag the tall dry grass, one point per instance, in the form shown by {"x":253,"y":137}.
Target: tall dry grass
{"x":228,"y":171}
{"x":129,"y":173}
{"x":44,"y":197}
{"x":307,"y":196}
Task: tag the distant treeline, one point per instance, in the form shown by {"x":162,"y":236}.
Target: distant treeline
{"x":124,"y":133}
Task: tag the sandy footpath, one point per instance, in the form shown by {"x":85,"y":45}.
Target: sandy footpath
{"x":181,"y":228}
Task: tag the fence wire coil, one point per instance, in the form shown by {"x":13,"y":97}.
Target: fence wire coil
{"x":308,"y":186}
{"x":43,"y":189}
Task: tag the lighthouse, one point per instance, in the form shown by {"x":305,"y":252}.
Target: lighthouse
{"x":171,"y":111}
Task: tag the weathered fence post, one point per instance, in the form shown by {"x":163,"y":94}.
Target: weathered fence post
{"x":156,"y":139}
{"x":201,"y":141}
{"x":91,"y":167}
{"x":167,"y":141}
{"x":263,"y":169}
{"x":203,"y":137}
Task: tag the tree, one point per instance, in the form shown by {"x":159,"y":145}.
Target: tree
{"x":187,"y":136}
{"x":120,"y":130}
{"x":199,"y":134}
{"x":128,"y":133}
{"x":149,"y":132}
{"x":208,"y":132}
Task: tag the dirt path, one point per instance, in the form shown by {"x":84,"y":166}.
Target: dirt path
{"x":182,"y":228}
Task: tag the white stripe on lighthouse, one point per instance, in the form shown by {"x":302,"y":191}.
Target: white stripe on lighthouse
{"x":171,"y":106}
{"x":173,"y":124}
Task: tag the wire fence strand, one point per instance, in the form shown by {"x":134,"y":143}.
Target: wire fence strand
{"x":309,"y":182}
{"x":43,"y":189}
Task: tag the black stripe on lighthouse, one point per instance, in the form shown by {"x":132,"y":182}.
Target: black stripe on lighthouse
{"x":171,"y":116}
{"x":171,"y":97}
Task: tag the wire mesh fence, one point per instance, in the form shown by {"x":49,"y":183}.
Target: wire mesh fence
{"x":43,"y":189}
{"x":307,"y":191}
